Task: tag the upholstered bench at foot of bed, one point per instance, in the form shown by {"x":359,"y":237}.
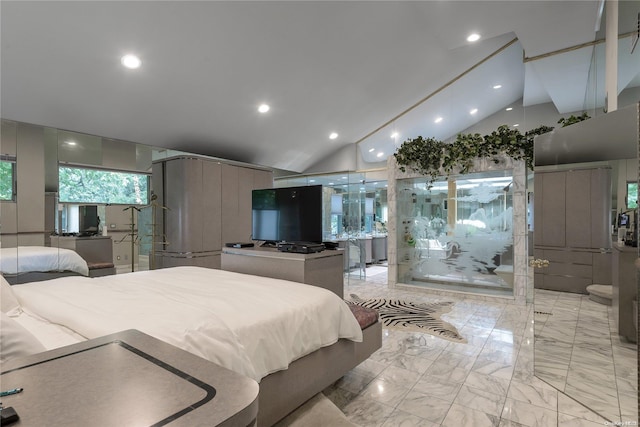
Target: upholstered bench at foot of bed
{"x":364,"y":315}
{"x":97,"y":269}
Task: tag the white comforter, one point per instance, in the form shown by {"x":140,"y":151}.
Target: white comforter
{"x":24,"y":259}
{"x":249,"y":324}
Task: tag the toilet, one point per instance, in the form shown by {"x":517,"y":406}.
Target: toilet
{"x":601,"y":294}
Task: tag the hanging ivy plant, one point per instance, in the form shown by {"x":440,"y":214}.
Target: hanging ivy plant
{"x":573,"y":119}
{"x":431,"y":157}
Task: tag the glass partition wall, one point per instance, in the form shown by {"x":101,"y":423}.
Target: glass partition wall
{"x":355,"y":216}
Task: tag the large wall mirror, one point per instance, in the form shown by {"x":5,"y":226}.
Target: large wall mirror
{"x":585,"y":303}
{"x":76,"y":192}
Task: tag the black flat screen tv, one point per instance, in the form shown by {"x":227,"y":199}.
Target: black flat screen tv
{"x":291,"y":214}
{"x":89,"y":222}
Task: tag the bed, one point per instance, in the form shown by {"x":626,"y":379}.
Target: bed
{"x":34,"y":263}
{"x":293,"y":339}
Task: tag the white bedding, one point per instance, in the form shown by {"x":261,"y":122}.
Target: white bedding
{"x":48,"y":334}
{"x":24,"y":259}
{"x":249,"y":324}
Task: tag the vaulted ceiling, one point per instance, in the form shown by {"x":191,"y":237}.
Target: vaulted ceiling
{"x":355,"y":68}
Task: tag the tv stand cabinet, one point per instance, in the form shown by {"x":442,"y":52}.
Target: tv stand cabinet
{"x":322,"y":269}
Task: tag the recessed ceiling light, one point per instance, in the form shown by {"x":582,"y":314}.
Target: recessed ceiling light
{"x":394,"y":135}
{"x":497,"y":86}
{"x":473,"y":37}
{"x":131,"y":61}
{"x":475,"y":110}
{"x":371,"y":150}
{"x":263,"y":108}
{"x":438,"y":120}
{"x":70,"y":142}
{"x":333,"y":135}
{"x":380,"y":154}
{"x":509,"y":109}
{"x":516,"y":125}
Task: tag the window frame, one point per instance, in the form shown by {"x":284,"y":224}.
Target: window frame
{"x":147,"y":175}
{"x":14,"y":177}
{"x":630,"y":204}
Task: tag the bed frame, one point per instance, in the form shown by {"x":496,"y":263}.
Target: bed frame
{"x":283,"y":391}
{"x":95,"y":270}
{"x":37,"y":276}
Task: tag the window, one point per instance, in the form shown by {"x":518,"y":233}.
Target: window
{"x":7,"y":178}
{"x":632,"y":195}
{"x":84,"y":185}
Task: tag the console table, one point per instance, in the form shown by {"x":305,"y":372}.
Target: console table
{"x":323,"y":269}
{"x":128,"y":378}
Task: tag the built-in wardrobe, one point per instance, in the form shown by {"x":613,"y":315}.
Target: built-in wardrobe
{"x":572,"y":211}
{"x":201,"y":204}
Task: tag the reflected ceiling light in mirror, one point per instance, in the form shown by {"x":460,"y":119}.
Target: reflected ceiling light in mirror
{"x":131,"y":61}
{"x":263,"y":108}
{"x":331,"y":183}
{"x":70,"y":142}
{"x":380,"y":154}
{"x":395,"y":135}
{"x":371,"y":150}
{"x":312,"y":180}
{"x":497,"y":86}
{"x":516,"y":125}
{"x":333,"y":135}
{"x":473,"y":37}
{"x":509,"y":109}
{"x":438,"y":120}
{"x":474,"y":111}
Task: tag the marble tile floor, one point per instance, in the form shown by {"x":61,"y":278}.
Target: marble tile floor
{"x":579,"y":352}
{"x":420,"y":380}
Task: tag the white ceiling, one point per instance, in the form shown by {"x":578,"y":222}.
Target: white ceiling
{"x":346,"y":66}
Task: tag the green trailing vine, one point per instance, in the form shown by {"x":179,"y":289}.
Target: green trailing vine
{"x":431,"y":157}
{"x":573,"y":119}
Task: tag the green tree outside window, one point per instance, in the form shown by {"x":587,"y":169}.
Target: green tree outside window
{"x":632,"y":195}
{"x":79,"y":185}
{"x":6,"y":180}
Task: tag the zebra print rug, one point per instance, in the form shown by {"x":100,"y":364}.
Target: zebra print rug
{"x":419,"y":317}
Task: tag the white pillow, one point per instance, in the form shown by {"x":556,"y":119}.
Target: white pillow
{"x":16,"y":341}
{"x":8,"y":302}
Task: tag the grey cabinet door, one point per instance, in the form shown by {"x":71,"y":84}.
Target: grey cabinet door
{"x":211,"y":206}
{"x":183,"y":198}
{"x":552,"y":209}
{"x":578,"y":208}
{"x":601,"y":208}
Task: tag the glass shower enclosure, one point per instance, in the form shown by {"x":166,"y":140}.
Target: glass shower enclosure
{"x":457,"y":234}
